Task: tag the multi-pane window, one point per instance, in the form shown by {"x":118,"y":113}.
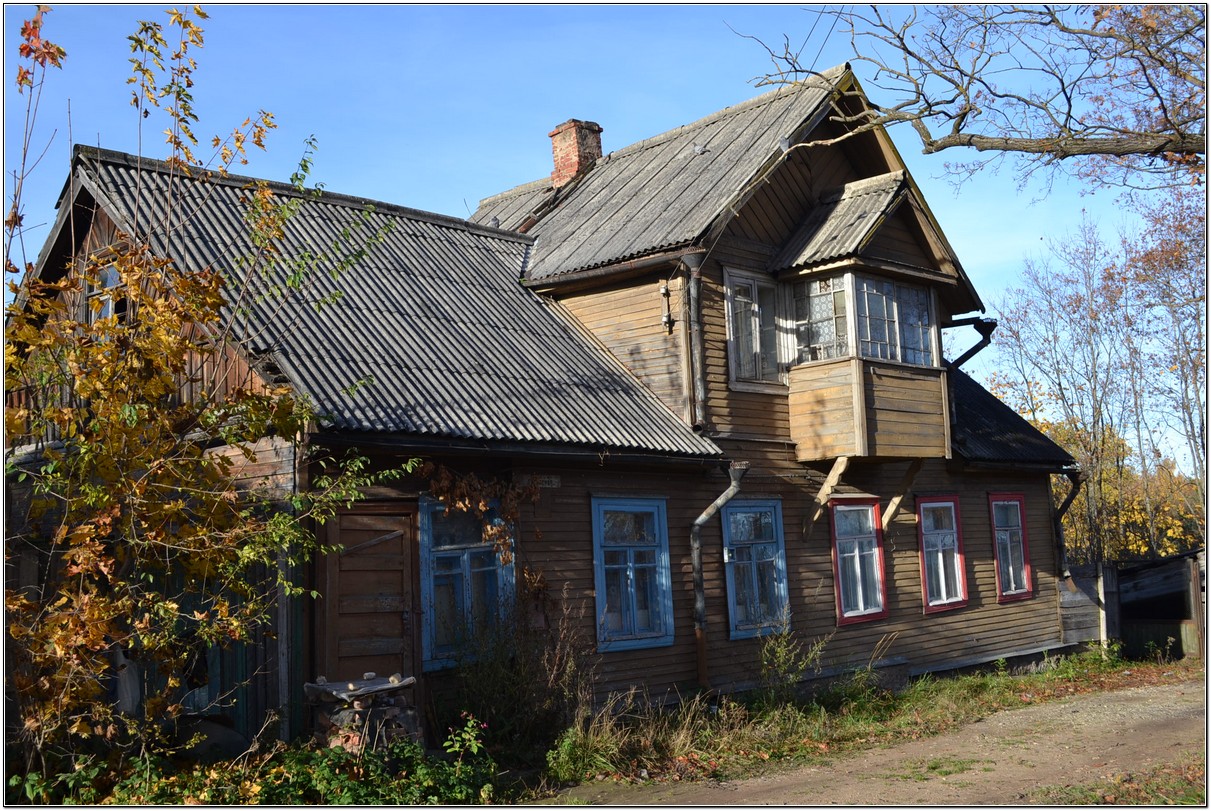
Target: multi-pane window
{"x":755,"y":561}
{"x":821,"y":327}
{"x":1013,"y":559}
{"x":631,"y":556}
{"x":893,"y":321}
{"x":464,"y":585}
{"x":916,"y":327}
{"x":105,"y":297}
{"x":942,"y":571}
{"x":858,"y":561}
{"x":838,"y":316}
{"x":753,"y":325}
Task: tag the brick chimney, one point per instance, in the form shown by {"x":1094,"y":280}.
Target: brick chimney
{"x":576,"y":146}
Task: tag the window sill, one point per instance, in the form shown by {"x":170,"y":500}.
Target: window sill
{"x":755,"y":387}
{"x":854,"y":619}
{"x":941,"y":608}
{"x":1016,"y":596}
{"x":614,"y":645}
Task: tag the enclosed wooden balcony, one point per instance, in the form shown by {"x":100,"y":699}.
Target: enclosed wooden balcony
{"x":864,"y":407}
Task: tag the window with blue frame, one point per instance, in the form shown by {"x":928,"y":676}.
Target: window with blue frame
{"x":464,"y":585}
{"x":631,"y":572}
{"x":755,"y":566}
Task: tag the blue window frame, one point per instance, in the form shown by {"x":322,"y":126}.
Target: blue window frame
{"x":755,"y":566}
{"x":631,"y":573}
{"x":464,"y":586}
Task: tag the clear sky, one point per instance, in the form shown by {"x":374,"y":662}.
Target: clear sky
{"x":436,"y":107}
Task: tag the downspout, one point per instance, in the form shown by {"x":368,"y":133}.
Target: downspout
{"x":693,"y":262}
{"x":984,"y":326}
{"x":736,"y":471}
{"x":1076,"y":477}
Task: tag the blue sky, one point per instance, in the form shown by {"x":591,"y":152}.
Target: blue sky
{"x":436,"y":107}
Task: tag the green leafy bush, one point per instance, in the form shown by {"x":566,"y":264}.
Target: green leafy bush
{"x":402,"y":774}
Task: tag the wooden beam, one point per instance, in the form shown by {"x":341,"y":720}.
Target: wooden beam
{"x":893,"y":506}
{"x":826,"y":490}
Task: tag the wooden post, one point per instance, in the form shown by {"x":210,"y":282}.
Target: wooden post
{"x":1194,"y":594}
{"x":1108,"y":605}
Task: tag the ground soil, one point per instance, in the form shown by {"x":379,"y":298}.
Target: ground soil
{"x":997,"y":760}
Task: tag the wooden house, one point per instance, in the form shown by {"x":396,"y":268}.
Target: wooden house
{"x":717,"y":356}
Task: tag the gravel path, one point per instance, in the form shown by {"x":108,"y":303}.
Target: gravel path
{"x":997,"y":760}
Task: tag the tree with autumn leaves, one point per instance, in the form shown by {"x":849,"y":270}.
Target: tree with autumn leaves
{"x":1103,"y":344}
{"x":138,"y":544}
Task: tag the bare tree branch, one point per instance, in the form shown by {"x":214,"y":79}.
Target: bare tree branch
{"x":1115,"y":95}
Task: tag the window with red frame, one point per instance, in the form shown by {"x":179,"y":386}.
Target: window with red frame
{"x":858,"y":561}
{"x":944,"y":580}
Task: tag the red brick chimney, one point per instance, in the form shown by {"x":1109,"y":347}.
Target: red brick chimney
{"x":576,"y":146}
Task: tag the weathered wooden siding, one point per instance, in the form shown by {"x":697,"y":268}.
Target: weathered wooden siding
{"x":906,"y":412}
{"x":822,"y":410}
{"x":627,"y":320}
{"x":731,"y":410}
{"x":556,"y":540}
{"x":898,"y":241}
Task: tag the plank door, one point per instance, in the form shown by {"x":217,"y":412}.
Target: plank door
{"x":370,"y":600}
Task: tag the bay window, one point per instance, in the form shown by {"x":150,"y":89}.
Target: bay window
{"x":822,"y":318}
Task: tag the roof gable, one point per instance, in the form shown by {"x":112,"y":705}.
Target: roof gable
{"x":418,"y":325}
{"x":842,"y":223}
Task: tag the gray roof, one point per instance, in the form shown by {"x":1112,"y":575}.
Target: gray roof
{"x":843,"y":221}
{"x":988,"y":431}
{"x":429,"y":333}
{"x":662,"y":193}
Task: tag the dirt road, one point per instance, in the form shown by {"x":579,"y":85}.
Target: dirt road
{"x":997,"y":760}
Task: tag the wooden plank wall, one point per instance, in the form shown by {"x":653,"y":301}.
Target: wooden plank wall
{"x":561,"y":548}
{"x":822,"y":410}
{"x":897,"y":241}
{"x":626,"y":318}
{"x":905,"y":411}
{"x":1080,"y":610}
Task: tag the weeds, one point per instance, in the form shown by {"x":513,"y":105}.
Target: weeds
{"x":630,"y":739}
{"x":1182,"y":783}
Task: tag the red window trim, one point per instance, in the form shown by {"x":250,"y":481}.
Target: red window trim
{"x":878,"y":524}
{"x":962,"y":602}
{"x":1027,"y":572}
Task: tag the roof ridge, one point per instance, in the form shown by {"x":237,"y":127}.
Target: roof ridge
{"x":811,"y":82}
{"x":865,"y":185}
{"x":531,"y":185}
{"x":84,"y":152}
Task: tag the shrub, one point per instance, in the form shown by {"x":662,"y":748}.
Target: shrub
{"x":528,"y":681}
{"x":401,"y":774}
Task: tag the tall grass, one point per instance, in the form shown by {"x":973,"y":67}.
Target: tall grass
{"x":631,"y":738}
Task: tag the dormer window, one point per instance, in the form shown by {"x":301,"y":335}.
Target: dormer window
{"x":105,"y":297}
{"x":773,"y":326}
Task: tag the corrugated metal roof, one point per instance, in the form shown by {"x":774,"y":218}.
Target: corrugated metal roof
{"x":660,"y":193}
{"x":430,"y":332}
{"x":986,"y":430}
{"x":842,"y":223}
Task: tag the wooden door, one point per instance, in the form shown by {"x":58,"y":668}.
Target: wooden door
{"x":370,"y":599}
